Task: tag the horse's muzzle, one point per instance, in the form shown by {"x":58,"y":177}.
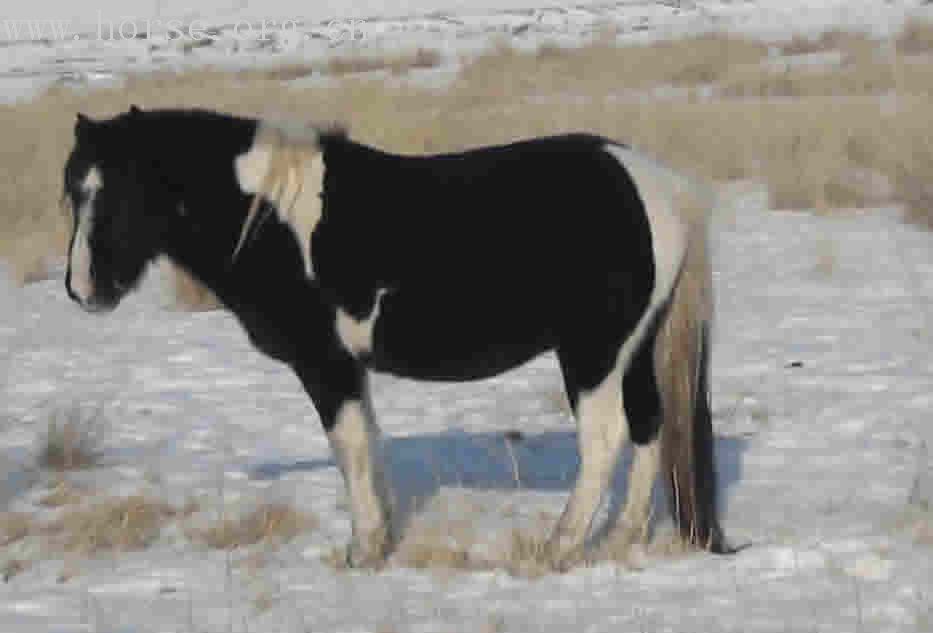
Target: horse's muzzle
{"x":95,"y":304}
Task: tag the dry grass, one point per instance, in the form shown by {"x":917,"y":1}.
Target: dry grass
{"x":916,"y":38}
{"x":271,"y":523}
{"x":342,"y":65}
{"x":130,"y":523}
{"x":15,"y":526}
{"x":63,"y":493}
{"x":398,"y":64}
{"x":837,"y":125}
{"x":869,"y":77}
{"x":851,"y":43}
{"x":444,"y":546}
{"x":604,"y":66}
{"x":13,"y":567}
{"x":69,"y":443}
{"x":452,"y":547}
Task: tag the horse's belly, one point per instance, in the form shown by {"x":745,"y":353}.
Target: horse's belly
{"x":448,"y":336}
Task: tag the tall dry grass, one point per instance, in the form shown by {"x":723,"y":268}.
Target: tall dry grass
{"x":824,"y":137}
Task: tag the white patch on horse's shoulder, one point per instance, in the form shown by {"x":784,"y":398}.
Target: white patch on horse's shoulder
{"x":93,"y":180}
{"x":251,"y":167}
{"x":80,"y":265}
{"x":660,"y":189}
{"x":285,"y":164}
{"x":357,"y":335}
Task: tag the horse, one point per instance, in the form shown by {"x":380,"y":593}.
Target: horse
{"x":340,"y":259}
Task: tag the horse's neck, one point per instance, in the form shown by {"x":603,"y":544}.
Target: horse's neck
{"x":198,"y":252}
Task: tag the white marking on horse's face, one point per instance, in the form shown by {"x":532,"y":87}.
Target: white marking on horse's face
{"x":357,"y":336}
{"x":299,"y":204}
{"x":356,"y":444}
{"x":660,"y":189}
{"x":82,"y":283}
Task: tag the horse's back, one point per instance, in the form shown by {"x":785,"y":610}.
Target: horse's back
{"x":527,"y":213}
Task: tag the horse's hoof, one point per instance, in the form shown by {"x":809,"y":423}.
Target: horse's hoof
{"x":358,"y":558}
{"x":370,"y":553}
{"x":561,"y":557}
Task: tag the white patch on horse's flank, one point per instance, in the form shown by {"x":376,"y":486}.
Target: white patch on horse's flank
{"x":357,"y":336}
{"x":286,"y":166}
{"x":660,"y":188}
{"x":80,"y":265}
{"x":356,"y":443}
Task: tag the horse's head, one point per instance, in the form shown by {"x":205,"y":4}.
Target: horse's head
{"x":117,"y":206}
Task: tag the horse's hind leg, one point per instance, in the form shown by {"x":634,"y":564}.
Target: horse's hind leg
{"x":594,"y":388}
{"x":643,"y":408}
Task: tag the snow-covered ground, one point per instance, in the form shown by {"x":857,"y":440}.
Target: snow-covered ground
{"x":822,"y":375}
{"x":822,"y":403}
{"x":49,"y":41}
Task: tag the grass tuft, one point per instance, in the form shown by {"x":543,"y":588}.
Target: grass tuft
{"x":916,"y":38}
{"x":15,"y":526}
{"x":69,"y":443}
{"x":395,"y":64}
{"x":123,"y":524}
{"x":271,"y":523}
{"x":63,"y":493}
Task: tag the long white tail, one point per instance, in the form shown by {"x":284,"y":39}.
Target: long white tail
{"x":682,"y":351}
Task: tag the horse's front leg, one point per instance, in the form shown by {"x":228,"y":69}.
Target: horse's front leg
{"x":340,"y":393}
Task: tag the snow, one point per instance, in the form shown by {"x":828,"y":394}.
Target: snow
{"x":48,"y":41}
{"x":817,"y":462}
{"x":822,"y":373}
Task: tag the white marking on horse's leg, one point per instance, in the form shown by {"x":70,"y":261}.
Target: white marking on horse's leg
{"x":641,"y":480}
{"x":602,"y":432}
{"x":357,"y":336}
{"x":80,"y":265}
{"x":289,"y":163}
{"x":356,"y":443}
{"x":603,"y":429}
{"x":660,"y":189}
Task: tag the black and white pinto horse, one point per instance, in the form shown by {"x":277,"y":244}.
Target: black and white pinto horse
{"x":450,"y":267}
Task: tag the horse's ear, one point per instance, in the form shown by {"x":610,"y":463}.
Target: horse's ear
{"x":135,"y":110}
{"x":83,"y":125}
